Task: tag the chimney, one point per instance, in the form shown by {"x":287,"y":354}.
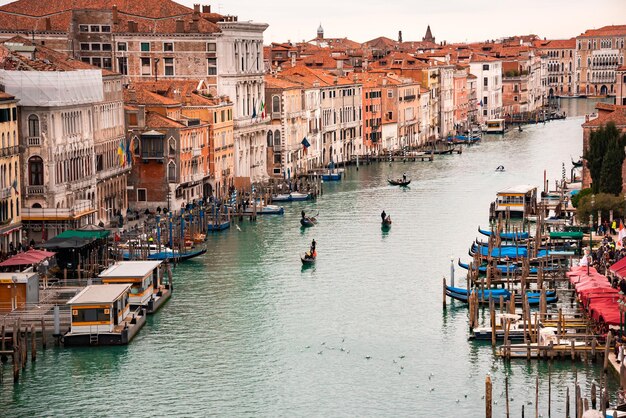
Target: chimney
{"x":196,"y":8}
{"x":48,"y":24}
{"x":206,"y":9}
{"x":180,"y":26}
{"x":131,"y":26}
{"x":399,"y":36}
{"x":293,"y":60}
{"x":116,"y":18}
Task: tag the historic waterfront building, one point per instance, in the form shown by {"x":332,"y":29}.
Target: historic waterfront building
{"x":171,"y":150}
{"x":620,"y":97}
{"x":488,"y":72}
{"x":561,"y":65}
{"x":71,"y":128}
{"x":599,"y":53}
{"x":241,"y":77}
{"x":10,"y":175}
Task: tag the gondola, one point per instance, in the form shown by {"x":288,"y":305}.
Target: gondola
{"x":307,"y":259}
{"x":399,"y":182}
{"x":386,"y":223}
{"x":509,"y":236}
{"x":496,"y":293}
{"x":511,"y":268}
{"x":308,"y":222}
{"x":532,"y":301}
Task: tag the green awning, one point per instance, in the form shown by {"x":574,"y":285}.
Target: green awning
{"x":87,"y":234}
{"x":567,"y":235}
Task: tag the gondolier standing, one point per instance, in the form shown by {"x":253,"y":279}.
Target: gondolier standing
{"x":383,"y":215}
{"x":313,"y":253}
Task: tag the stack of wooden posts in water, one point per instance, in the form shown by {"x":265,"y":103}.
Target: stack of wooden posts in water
{"x":15,"y":344}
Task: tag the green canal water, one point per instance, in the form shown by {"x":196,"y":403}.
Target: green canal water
{"x":249,"y":332}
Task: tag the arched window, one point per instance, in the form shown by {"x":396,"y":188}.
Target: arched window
{"x":270,"y":139}
{"x":3,"y":144}
{"x":277,"y":138}
{"x":33,"y":126}
{"x":275,"y":104}
{"x":171,"y":172}
{"x":172,"y":145}
{"x":35,"y":171}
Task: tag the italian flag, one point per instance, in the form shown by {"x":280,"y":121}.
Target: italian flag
{"x":262,"y":109}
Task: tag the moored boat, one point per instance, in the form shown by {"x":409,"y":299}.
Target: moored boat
{"x":212,"y":227}
{"x":101,"y":315}
{"x":299,"y":197}
{"x":266,"y":210}
{"x":509,"y":236}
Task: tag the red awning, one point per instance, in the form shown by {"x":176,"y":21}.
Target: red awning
{"x":27,"y":258}
{"x":618,"y":266}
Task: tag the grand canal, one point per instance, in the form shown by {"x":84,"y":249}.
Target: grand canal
{"x":249,"y":332}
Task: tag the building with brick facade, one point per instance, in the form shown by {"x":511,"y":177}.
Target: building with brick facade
{"x":170,"y":144}
{"x":599,"y":53}
{"x":10,"y":175}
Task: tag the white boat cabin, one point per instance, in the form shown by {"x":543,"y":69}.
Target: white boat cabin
{"x":143,"y":276}
{"x":518,"y":200}
{"x":495,"y":126}
{"x":99,"y":308}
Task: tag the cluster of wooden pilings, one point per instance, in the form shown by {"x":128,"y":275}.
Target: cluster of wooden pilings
{"x":15,"y":344}
{"x":598,"y":399}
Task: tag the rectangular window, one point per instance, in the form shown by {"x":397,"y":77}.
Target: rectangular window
{"x":95,"y":47}
{"x":212,"y":66}
{"x":485,"y":67}
{"x":122,"y":65}
{"x":96,"y":61}
{"x":107,"y":63}
{"x":86,"y":59}
{"x":211,"y":47}
{"x":106,"y":28}
{"x":485,"y":101}
{"x":390,"y":93}
{"x":145,"y":47}
{"x":84,"y":47}
{"x":142,"y":195}
{"x":94,"y":28}
{"x":168,"y":46}
{"x":485,"y":81}
{"x":83,"y":28}
{"x":169,"y":66}
{"x":121,"y":46}
{"x":106,"y":47}
{"x":15,"y":113}
{"x":146,"y":67}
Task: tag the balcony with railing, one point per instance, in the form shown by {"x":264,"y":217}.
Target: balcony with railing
{"x":5,"y":193}
{"x":196,"y":152}
{"x":79,"y":209}
{"x":35,"y":190}
{"x":34,"y":141}
{"x":9,"y":151}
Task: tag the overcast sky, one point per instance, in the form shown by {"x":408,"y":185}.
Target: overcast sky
{"x":450,"y":20}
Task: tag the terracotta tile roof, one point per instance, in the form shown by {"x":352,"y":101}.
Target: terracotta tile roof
{"x":618,"y":117}
{"x":169,"y":92}
{"x":136,"y":94}
{"x":614,"y":30}
{"x":45,"y":59}
{"x":154,"y":16}
{"x":556,"y":44}
{"x":308,"y":77}
{"x":399,"y":60}
{"x":155,"y":120}
{"x":277,"y":82}
{"x":482,"y":58}
{"x":6,"y":96}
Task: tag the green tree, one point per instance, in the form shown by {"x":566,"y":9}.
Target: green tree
{"x":605,"y":156}
{"x":576,"y":198}
{"x":603,"y":202}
